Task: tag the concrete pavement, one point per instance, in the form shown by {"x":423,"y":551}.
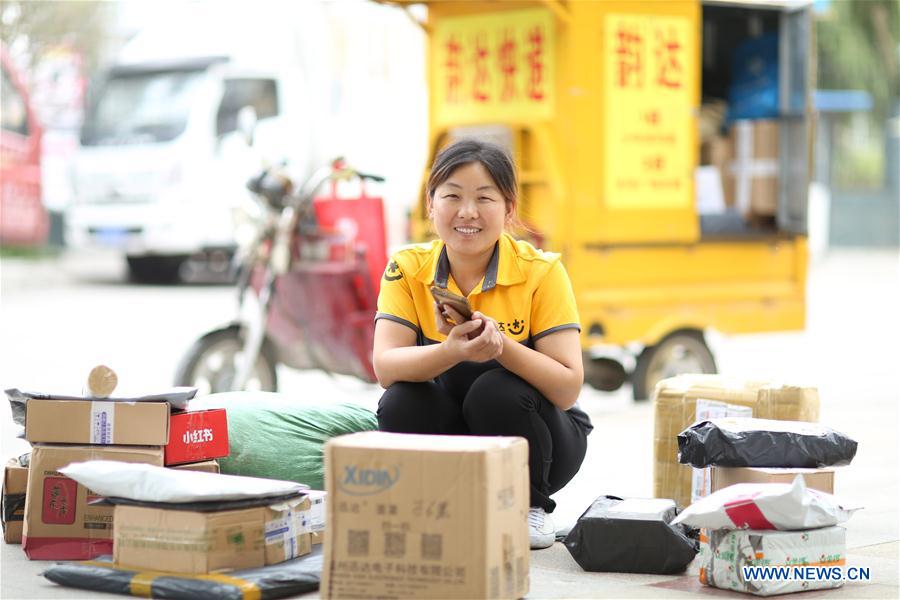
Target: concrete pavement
{"x":847,"y":351}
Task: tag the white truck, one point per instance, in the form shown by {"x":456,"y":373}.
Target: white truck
{"x":162,"y":161}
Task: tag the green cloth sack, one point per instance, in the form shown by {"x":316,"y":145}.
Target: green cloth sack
{"x":279,"y":437}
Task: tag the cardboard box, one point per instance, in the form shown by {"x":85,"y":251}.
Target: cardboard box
{"x":207,"y":466}
{"x":725,"y":551}
{"x":15,"y":482}
{"x":287,"y":531}
{"x":182,"y":541}
{"x":817,"y":479}
{"x":97,"y":422}
{"x":675,"y":408}
{"x":751,"y":177}
{"x":701,"y":479}
{"x":197,"y":435}
{"x":59,"y":522}
{"x":316,"y":518}
{"x":426,"y":516}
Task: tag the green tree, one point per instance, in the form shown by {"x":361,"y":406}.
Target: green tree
{"x":32,"y":28}
{"x":859,"y":48}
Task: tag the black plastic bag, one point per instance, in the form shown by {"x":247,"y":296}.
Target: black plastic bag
{"x":289,"y":578}
{"x":745,"y":442}
{"x":631,"y":536}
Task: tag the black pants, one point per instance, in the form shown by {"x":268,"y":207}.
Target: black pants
{"x":496,"y":403}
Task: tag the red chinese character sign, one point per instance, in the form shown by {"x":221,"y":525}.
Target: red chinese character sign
{"x":648,"y":87}
{"x":494,"y":68}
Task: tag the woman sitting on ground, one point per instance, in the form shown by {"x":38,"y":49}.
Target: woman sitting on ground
{"x":515,"y":367}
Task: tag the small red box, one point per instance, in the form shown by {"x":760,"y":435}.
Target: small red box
{"x":197,"y":435}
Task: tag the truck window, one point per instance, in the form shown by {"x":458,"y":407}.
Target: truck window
{"x":139,"y":107}
{"x":14,"y":117}
{"x":261,"y":94}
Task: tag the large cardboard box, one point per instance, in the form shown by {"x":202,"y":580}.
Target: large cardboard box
{"x":676,"y":408}
{"x":15,"y":482}
{"x":426,"y":517}
{"x":197,"y":435}
{"x":97,"y":422}
{"x":817,"y":479}
{"x":182,"y":541}
{"x":59,"y":522}
{"x":751,"y":177}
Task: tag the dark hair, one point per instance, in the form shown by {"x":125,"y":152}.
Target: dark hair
{"x":494,"y":158}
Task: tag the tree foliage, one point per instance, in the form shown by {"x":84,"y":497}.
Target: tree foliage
{"x":33,"y":28}
{"x":859,"y":48}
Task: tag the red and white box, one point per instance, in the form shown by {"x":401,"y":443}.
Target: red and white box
{"x":197,"y":435}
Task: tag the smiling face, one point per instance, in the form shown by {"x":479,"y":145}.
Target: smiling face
{"x":469,"y":211}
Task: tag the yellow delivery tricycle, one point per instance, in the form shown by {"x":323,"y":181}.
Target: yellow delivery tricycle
{"x":664,"y":150}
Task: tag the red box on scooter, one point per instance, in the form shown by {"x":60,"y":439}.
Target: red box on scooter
{"x":197,"y":435}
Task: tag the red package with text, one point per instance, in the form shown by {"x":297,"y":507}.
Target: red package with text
{"x":197,"y":435}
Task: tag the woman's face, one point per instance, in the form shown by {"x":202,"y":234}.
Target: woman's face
{"x":468,"y":211}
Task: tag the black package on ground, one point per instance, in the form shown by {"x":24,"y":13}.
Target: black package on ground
{"x":746,"y":442}
{"x":285,"y":579}
{"x":631,"y":536}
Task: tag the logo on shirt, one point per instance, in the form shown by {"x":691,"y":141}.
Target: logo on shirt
{"x":515,"y":328}
{"x":393,"y":273}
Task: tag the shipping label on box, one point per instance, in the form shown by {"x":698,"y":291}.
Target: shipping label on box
{"x":15,"y":481}
{"x":60,"y":522}
{"x":197,"y":435}
{"x":725,"y":553}
{"x":97,"y":422}
{"x":287,"y":530}
{"x":701,"y":479}
{"x":426,"y":516}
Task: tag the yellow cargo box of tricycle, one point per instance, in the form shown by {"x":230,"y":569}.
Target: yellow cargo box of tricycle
{"x":673,"y":217}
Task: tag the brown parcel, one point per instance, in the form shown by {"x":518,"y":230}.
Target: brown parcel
{"x":97,"y":422}
{"x":750,"y":180}
{"x":181,"y":541}
{"x":426,"y":516}
{"x":675,"y":406}
{"x":59,"y":522}
{"x":317,"y":516}
{"x":207,"y":466}
{"x":817,"y":479}
{"x":15,"y":481}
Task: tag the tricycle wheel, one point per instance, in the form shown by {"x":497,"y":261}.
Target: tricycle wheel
{"x":209,"y":365}
{"x":678,"y":353}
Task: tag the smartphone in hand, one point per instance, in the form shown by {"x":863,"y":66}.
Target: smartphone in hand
{"x":459,"y":303}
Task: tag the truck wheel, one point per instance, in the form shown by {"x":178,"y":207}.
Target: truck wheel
{"x":678,"y":353}
{"x":604,"y":374}
{"x":155,"y":269}
{"x":209,"y":364}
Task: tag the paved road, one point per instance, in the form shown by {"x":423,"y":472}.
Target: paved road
{"x":58,"y":318}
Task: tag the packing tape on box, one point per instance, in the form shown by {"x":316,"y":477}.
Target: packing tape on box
{"x":142,"y":582}
{"x":103,"y":416}
{"x":286,"y":530}
{"x":745,"y":167}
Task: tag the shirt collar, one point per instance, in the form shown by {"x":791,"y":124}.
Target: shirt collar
{"x":503,"y":268}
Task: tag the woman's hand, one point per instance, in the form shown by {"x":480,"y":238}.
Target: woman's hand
{"x":476,"y":340}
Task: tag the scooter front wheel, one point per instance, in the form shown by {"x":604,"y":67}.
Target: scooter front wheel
{"x":209,"y":364}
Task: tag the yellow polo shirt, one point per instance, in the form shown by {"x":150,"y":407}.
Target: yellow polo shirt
{"x":526,"y":290}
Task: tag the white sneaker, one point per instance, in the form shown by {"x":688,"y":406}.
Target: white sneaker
{"x":540,"y":528}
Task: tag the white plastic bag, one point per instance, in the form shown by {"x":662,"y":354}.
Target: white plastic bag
{"x":785,"y":506}
{"x":150,"y":483}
